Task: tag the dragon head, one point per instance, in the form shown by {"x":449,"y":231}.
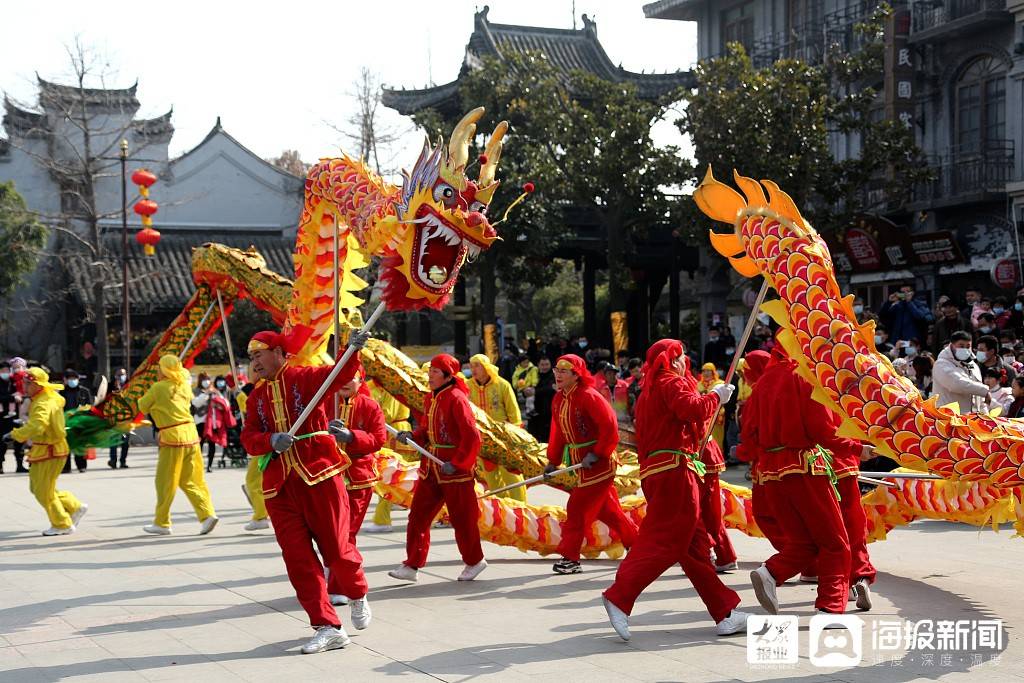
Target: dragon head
{"x":444,"y":218}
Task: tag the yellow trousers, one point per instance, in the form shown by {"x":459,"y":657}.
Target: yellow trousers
{"x":181,"y":467}
{"x":254,"y":485}
{"x":42,"y":482}
{"x":499,"y":477}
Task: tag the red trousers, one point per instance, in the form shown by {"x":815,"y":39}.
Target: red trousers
{"x":711,"y":515}
{"x":765,"y":518}
{"x":586,"y":505}
{"x":463,"y":511}
{"x":358,"y":503}
{"x":672,"y":532}
{"x":856,"y":524}
{"x":806,"y":508}
{"x":302,"y":514}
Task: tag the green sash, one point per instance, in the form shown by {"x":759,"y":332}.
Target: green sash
{"x":566,"y":457}
{"x":265,"y":459}
{"x":699,"y":467}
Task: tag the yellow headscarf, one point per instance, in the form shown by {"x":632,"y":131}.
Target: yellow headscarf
{"x":171,"y":368}
{"x":41,"y":378}
{"x":490,"y":368}
{"x":709,"y":366}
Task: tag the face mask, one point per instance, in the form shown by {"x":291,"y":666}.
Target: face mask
{"x":982,"y":356}
{"x":205,"y":383}
{"x":5,"y":376}
{"x":72,"y":383}
{"x":911,"y":351}
{"x":712,"y":339}
{"x":763,"y":318}
{"x":123,"y":376}
{"x":221,"y":385}
{"x":962,"y":354}
{"x":986,"y":329}
{"x":583,"y":343}
{"x":858,"y":309}
{"x":878,"y":339}
{"x":467,"y":372}
{"x":998,"y":310}
{"x":730,"y":351}
{"x":1018,"y":306}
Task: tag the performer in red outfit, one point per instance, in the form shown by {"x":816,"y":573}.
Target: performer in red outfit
{"x":794,"y":437}
{"x":862,"y":572}
{"x":671,"y":417}
{"x":448,"y":431}
{"x":304,"y":493}
{"x":584,"y":430}
{"x":711,"y":498}
{"x":359,"y":430}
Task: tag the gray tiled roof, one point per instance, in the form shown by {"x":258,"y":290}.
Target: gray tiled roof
{"x":568,"y":50}
{"x":163,"y":282}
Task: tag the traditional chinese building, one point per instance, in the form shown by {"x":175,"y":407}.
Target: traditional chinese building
{"x":953,"y":74}
{"x":217,"y":191}
{"x":660,"y":258}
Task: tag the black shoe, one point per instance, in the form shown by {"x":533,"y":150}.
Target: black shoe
{"x":124,"y":466}
{"x":21,"y":470}
{"x":112,"y":465}
{"x":564,"y":566}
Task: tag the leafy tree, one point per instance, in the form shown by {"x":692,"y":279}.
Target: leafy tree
{"x":775,"y":122}
{"x":22,"y":238}
{"x":586,"y":144}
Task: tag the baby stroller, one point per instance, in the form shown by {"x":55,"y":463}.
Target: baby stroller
{"x":234,"y":452}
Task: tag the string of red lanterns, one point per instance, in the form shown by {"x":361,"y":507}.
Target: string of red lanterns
{"x":148,"y":237}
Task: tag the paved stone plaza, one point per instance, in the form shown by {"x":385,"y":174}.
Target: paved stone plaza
{"x":112,"y":604}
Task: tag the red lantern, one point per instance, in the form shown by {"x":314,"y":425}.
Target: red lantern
{"x":146,"y":207}
{"x":148,"y":238}
{"x":143,"y":177}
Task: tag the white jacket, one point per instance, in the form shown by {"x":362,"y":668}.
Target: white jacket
{"x":956,"y":382}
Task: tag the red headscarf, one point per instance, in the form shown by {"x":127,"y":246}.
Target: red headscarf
{"x":660,"y":357}
{"x":756,"y":363}
{"x":578,"y":366}
{"x":450,"y":366}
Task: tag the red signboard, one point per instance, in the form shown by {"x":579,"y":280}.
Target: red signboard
{"x":1005,"y":273}
{"x":862,"y":250}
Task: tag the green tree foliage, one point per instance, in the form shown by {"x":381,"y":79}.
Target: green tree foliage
{"x":22,"y":238}
{"x":776,"y":122}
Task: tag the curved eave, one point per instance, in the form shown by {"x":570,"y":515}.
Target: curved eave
{"x":218,"y":129}
{"x":411,"y":101}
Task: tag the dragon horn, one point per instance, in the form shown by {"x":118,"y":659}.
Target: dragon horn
{"x":493,"y":153}
{"x":458,"y":145}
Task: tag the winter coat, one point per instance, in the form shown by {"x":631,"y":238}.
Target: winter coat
{"x":956,"y":382}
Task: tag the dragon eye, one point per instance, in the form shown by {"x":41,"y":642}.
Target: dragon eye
{"x":444,"y":193}
{"x":478,"y":206}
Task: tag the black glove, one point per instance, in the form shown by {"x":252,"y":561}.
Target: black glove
{"x":358,"y":339}
{"x":589,"y":460}
{"x":550,"y":470}
{"x":448,"y":469}
{"x":281,"y":441}
{"x":403,"y":437}
{"x":339,"y":431}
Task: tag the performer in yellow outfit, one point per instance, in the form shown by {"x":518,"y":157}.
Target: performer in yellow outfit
{"x":396,"y":415}
{"x":709,"y":380}
{"x":494,"y":395}
{"x":180,"y":461}
{"x":253,"y":486}
{"x":49,"y":452}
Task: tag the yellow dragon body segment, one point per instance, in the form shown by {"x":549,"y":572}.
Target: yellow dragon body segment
{"x":838,"y":356}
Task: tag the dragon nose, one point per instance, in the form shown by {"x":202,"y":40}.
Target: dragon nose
{"x":475,"y":219}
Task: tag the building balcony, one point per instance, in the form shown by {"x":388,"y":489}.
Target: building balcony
{"x":944,"y":19}
{"x":967,"y":175}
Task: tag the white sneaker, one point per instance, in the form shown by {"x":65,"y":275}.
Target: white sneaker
{"x":337,"y":600}
{"x":734,"y":623}
{"x":54,"y":531}
{"x":157,"y":530}
{"x":257,"y":524}
{"x":361,"y":613}
{"x":79,"y":513}
{"x":764,"y":588}
{"x":618,"y":619}
{"x":404,"y":572}
{"x":863,"y":592}
{"x":326,"y":638}
{"x":208,"y":525}
{"x":471,"y":572}
{"x":727,"y":567}
{"x":372,"y":528}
